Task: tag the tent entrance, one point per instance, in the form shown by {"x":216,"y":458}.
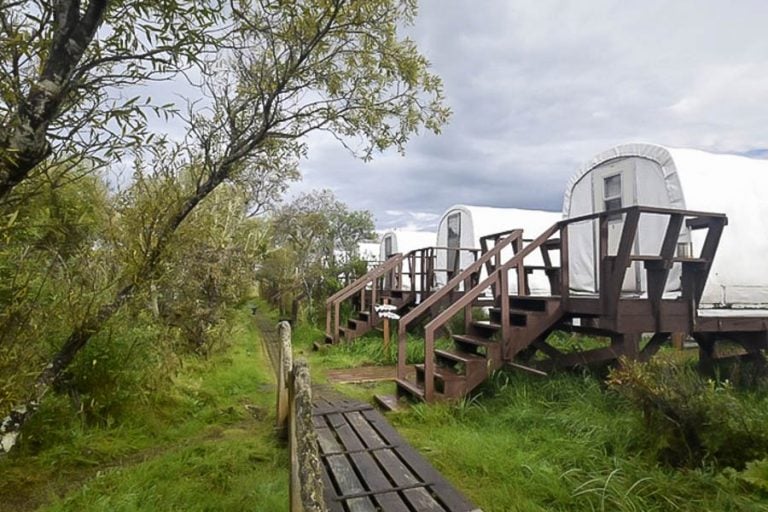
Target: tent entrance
{"x":614,"y":187}
{"x":453,"y":243}
{"x":387,"y":247}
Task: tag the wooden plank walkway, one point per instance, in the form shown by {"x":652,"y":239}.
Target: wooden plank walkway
{"x":367,"y":466}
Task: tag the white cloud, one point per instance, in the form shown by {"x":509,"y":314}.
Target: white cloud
{"x":539,"y":86}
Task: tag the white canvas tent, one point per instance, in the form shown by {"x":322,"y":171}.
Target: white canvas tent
{"x":404,"y":241}
{"x":652,"y":175}
{"x":463,"y":226}
{"x":368,"y":251}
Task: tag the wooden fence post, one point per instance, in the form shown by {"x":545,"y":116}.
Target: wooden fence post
{"x":284,"y":369}
{"x":306,"y":486}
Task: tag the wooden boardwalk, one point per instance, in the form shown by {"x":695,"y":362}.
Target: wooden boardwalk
{"x":367,"y":466}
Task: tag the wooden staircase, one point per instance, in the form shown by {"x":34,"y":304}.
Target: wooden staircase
{"x":402,"y":281}
{"x":518,"y":324}
{"x":365,"y":320}
{"x":513,"y":321}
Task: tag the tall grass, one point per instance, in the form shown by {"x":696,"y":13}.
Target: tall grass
{"x":560,"y":443}
{"x":204,"y":442}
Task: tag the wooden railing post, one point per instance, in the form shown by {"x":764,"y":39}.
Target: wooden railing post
{"x":306,"y":484}
{"x":565,"y":274}
{"x":506,"y":331}
{"x":285,"y":364}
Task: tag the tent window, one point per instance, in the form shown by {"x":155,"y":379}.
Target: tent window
{"x":612,"y":193}
{"x":454,"y":240}
{"x":387,"y":247}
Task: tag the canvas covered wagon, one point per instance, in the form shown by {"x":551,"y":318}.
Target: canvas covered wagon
{"x":462,"y":226}
{"x":686,"y":179}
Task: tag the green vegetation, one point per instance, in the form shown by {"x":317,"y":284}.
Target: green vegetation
{"x":567,"y":442}
{"x":203,"y":440}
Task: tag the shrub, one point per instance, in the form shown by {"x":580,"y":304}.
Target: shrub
{"x":692,"y":421}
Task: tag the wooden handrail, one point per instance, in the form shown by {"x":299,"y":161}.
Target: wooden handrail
{"x":332,"y":304}
{"x":610,"y":288}
{"x":440,"y":294}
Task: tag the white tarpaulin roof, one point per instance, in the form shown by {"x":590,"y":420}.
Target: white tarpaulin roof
{"x":368,"y":251}
{"x":405,"y":241}
{"x":692,"y":180}
{"x":479,"y":221}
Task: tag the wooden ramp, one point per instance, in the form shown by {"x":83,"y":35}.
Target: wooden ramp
{"x":367,"y":466}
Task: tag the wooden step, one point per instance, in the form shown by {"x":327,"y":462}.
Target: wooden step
{"x":388,"y":402}
{"x":453,"y":358}
{"x":517,"y":317}
{"x":477,"y":345}
{"x":528,"y":303}
{"x":486,"y":325}
{"x":409,"y":390}
{"x":447,"y":381}
{"x":357,"y":323}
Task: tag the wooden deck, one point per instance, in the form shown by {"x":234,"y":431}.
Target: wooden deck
{"x":367,"y":466}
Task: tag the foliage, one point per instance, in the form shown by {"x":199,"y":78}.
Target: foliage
{"x":756,"y":474}
{"x":202,"y":440}
{"x":51,"y":271}
{"x":286,"y":70}
{"x":690,"y":420}
{"x":314,"y":236}
{"x":64,"y":67}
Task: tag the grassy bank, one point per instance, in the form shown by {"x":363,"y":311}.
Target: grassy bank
{"x":203,"y":443}
{"x":563,"y":442}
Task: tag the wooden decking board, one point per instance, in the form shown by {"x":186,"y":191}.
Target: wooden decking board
{"x":369,"y":467}
{"x":440,"y":486}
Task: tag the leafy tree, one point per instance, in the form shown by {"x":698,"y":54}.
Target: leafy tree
{"x":63,"y":64}
{"x":290,"y":68}
{"x":317,"y":236}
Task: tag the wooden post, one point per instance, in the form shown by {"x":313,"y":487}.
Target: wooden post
{"x":386,"y":331}
{"x":285,"y":364}
{"x":677,"y":340}
{"x":306,"y":484}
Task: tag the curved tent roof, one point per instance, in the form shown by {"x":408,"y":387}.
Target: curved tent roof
{"x":404,"y":241}
{"x":693,"y":180}
{"x":478,"y":221}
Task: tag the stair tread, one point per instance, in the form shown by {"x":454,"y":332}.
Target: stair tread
{"x":517,"y":311}
{"x":475,"y":340}
{"x":462,"y":357}
{"x":388,"y":402}
{"x":411,"y":387}
{"x":486,"y":324}
{"x":446,"y":374}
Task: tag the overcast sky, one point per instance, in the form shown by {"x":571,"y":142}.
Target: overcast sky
{"x":538,"y":87}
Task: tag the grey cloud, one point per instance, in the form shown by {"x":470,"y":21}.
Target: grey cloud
{"x":539,"y":87}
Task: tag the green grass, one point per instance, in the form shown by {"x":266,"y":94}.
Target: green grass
{"x":194,"y":446}
{"x":563,"y":442}
{"x":560,"y":443}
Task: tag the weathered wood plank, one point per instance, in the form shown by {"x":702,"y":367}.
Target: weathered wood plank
{"x":348,"y":437}
{"x":370,"y":467}
{"x":391,"y":502}
{"x":343,"y":474}
{"x":397,"y":471}
{"x":327,"y":441}
{"x":377,"y":481}
{"x":451,"y":497}
{"x":420,"y":499}
{"x":369,"y":435}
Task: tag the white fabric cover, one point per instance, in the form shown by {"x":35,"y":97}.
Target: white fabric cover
{"x":405,"y":241}
{"x":368,"y":251}
{"x":692,"y":180}
{"x":479,"y":221}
